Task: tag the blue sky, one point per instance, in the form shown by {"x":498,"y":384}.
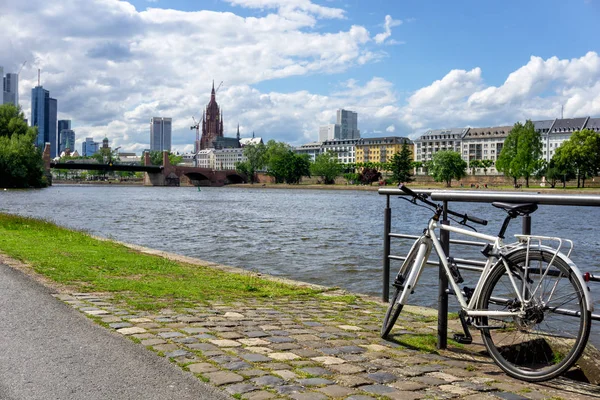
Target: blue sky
{"x":287,"y":65}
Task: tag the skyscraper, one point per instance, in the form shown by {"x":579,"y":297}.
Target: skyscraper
{"x":10,"y":88}
{"x":65,"y":125}
{"x":44,"y":111}
{"x":89,"y":147}
{"x":346,"y":127}
{"x":160,"y":134}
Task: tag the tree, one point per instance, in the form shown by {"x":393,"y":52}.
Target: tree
{"x":416,"y":165}
{"x":401,"y":165}
{"x":486,"y":164}
{"x":447,"y":165}
{"x":474,"y":164}
{"x":327,"y":166}
{"x":255,"y":160}
{"x":156,"y":157}
{"x":21,"y":164}
{"x":580,"y":154}
{"x":369,"y":175}
{"x":521,"y":152}
{"x":283,"y":164}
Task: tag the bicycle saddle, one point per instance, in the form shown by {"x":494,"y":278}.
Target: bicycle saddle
{"x":518,"y":209}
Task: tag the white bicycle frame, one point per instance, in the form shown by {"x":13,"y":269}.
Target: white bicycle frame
{"x":430,"y":237}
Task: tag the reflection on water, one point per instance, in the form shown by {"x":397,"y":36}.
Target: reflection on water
{"x":329,"y":237}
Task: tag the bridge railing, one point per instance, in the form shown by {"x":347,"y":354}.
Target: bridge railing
{"x":468,"y":196}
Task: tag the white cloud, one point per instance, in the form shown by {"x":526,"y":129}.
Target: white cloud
{"x":387,"y":26}
{"x":535,"y":91}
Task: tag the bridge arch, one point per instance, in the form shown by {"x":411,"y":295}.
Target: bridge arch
{"x":198,"y":179}
{"x":235,"y":178}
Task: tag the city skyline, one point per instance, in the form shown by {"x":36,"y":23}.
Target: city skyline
{"x":287,"y":66}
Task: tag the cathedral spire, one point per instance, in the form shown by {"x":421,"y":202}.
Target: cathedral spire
{"x":238,"y":132}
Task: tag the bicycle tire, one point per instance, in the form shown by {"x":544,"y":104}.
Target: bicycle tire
{"x":546,"y":342}
{"x":394,"y":308}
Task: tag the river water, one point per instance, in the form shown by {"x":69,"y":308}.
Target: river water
{"x":328,"y":237}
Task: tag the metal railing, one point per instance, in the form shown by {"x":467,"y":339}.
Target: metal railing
{"x":446,"y":196}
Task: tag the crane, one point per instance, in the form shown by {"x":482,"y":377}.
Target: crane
{"x":196,"y":126}
{"x":218,"y":87}
{"x":22,"y":65}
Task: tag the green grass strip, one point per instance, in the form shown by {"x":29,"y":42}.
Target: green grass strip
{"x":144,"y":281}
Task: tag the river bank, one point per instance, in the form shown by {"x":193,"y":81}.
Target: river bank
{"x":308,"y":342}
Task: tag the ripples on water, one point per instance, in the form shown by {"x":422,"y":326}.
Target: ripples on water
{"x":329,"y":237}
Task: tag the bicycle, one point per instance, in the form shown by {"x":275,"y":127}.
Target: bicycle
{"x":531,"y":303}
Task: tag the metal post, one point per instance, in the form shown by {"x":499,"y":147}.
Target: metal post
{"x":526,"y":225}
{"x":387,"y":219}
{"x":442,"y":335}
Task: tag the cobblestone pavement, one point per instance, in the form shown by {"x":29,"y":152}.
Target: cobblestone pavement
{"x":314,"y":349}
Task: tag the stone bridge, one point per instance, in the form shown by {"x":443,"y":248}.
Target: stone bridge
{"x":173,"y":175}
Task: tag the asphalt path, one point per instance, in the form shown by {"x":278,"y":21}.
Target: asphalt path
{"x":50,"y":351}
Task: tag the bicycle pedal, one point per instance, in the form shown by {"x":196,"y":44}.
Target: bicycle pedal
{"x":462,"y":338}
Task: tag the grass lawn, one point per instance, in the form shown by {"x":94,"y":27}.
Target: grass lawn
{"x":85,"y":264}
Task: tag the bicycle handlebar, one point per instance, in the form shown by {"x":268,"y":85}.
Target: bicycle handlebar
{"x":423,"y":198}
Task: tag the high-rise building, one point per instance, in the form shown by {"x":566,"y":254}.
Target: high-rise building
{"x":67,"y":140}
{"x":160,"y":134}
{"x":346,"y":127}
{"x":65,"y":125}
{"x":10,"y":88}
{"x":44,"y":110}
{"x":89,"y":147}
{"x":348,"y":122}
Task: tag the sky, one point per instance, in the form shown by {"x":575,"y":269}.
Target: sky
{"x":286,"y":66}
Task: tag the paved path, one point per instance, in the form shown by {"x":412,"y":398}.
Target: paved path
{"x":49,"y":351}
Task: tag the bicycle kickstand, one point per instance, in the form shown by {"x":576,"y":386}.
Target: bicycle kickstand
{"x":464,"y":338}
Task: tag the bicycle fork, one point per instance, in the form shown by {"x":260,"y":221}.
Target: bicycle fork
{"x":415,"y":272}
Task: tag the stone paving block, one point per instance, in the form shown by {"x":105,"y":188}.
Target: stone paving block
{"x":283,"y":356}
{"x":259,"y":349}
{"x":177,"y":353}
{"x":201,"y":368}
{"x":259,"y":395}
{"x":225,"y":343}
{"x":250,"y":373}
{"x":316,"y":371}
{"x":382,"y":377}
{"x":429,"y":380}
{"x":185,"y":340}
{"x":165,"y":348}
{"x":328,"y":360}
{"x":408,"y":386}
{"x":119,"y":325}
{"x":276,"y":366}
{"x":169,"y":335}
{"x":308,"y":396}
{"x":236,"y":365}
{"x":352,"y":380}
{"x":255,"y":358}
{"x":253,"y":342}
{"x":240,"y":388}
{"x":360,"y":397}
{"x":315,"y":382}
{"x":223,"y":377}
{"x":457,"y":390}
{"x":279,"y":339}
{"x":285,"y":374}
{"x":350,"y":327}
{"x":307,"y":353}
{"x":256,"y":334}
{"x":347,"y":368}
{"x":379,"y":389}
{"x":289,"y":389}
{"x":336,"y":391}
{"x":194,"y":330}
{"x":153,"y":342}
{"x":285,"y":346}
{"x":231,"y":335}
{"x":110,"y":319}
{"x":408,"y":395}
{"x":130,"y":331}
{"x":444,"y":376}
{"x":267,"y":380}
{"x":139,"y":320}
{"x":376,"y":347}
{"x":143,"y":336}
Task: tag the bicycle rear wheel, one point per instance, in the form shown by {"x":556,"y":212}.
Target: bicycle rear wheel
{"x":395,"y":307}
{"x":553,"y":332}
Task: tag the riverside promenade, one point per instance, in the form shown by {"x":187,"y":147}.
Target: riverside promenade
{"x":314,"y":349}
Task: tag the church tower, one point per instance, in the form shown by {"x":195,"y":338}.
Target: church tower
{"x":212,"y":122}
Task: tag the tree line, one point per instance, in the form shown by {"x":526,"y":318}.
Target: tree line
{"x":278,"y":160}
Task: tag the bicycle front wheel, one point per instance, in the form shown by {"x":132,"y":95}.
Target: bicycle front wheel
{"x":552,"y":332}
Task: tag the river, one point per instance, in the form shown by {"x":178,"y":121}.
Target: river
{"x":328,"y":237}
